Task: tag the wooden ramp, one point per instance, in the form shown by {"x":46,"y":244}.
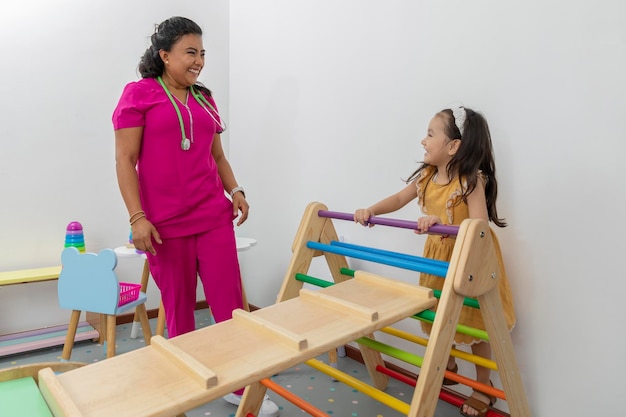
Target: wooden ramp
{"x":173,"y":376}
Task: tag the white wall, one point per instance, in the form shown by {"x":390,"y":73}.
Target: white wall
{"x":327,"y":101}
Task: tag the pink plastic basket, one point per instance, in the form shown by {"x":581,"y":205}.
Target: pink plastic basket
{"x":128,"y":293}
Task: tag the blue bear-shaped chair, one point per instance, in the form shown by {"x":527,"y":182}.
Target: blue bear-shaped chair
{"x":88,"y":283}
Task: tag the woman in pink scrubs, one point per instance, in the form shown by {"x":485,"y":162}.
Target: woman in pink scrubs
{"x":174,"y":176}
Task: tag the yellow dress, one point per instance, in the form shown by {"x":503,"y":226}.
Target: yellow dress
{"x":441,"y":201}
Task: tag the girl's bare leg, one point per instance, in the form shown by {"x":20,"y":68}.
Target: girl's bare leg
{"x":482,"y":375}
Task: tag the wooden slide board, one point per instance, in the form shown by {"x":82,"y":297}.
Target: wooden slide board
{"x":147,"y":382}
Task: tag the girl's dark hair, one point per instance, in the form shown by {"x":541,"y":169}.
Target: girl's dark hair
{"x":475,"y":154}
{"x":165,"y":35}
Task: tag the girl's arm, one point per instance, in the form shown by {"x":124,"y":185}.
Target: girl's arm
{"x":228,"y":179}
{"x":392,"y":203}
{"x":127,"y":145}
{"x":477,"y":202}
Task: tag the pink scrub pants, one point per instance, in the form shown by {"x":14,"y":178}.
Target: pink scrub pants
{"x":175,"y":268}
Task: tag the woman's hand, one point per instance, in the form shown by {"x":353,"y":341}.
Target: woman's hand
{"x":362,"y":216}
{"x":424,"y":223}
{"x":240,"y":205}
{"x":144,"y":233}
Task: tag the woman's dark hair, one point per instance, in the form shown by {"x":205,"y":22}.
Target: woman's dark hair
{"x":475,"y":154}
{"x":165,"y":35}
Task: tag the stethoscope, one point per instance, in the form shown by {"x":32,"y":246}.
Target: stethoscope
{"x":185,"y":143}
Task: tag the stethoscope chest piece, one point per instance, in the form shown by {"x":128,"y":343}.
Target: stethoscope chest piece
{"x":185,"y":143}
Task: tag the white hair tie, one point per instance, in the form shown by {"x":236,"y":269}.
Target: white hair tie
{"x":459,"y":115}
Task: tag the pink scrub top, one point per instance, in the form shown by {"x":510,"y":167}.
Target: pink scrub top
{"x":181,"y":191}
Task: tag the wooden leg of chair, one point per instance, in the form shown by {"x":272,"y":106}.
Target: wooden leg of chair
{"x":140,"y":310}
{"x":110,"y":335}
{"x":103,"y":329}
{"x":145,"y":275}
{"x":95,"y":321}
{"x":246,"y":306}
{"x":71,"y":335}
{"x":160,"y":328}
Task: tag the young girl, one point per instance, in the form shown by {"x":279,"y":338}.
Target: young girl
{"x":456,"y":181}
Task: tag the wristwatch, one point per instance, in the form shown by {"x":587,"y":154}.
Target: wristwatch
{"x":237,"y":189}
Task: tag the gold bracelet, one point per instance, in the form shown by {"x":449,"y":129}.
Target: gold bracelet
{"x":138,"y":218}
{"x":136,"y":213}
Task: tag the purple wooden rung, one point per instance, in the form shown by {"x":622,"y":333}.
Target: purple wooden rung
{"x":438,"y":229}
